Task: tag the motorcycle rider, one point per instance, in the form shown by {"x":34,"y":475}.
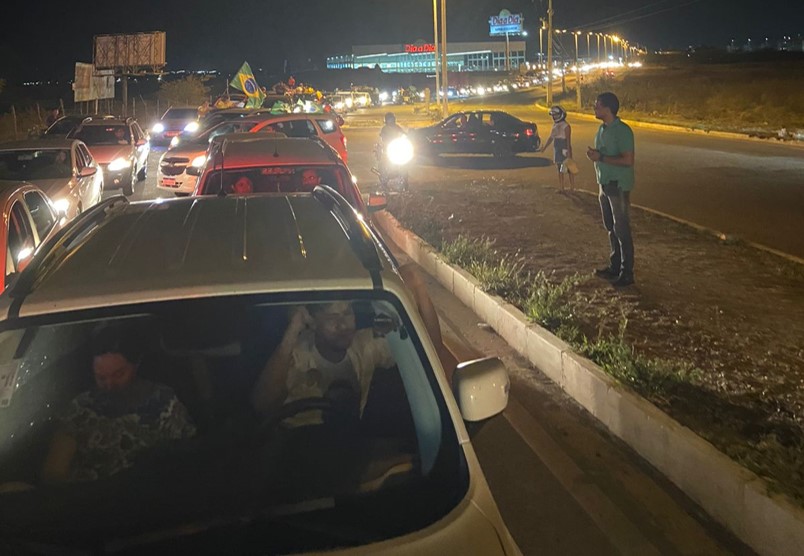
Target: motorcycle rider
{"x":390,"y":130}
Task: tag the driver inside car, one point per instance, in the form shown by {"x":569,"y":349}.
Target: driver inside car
{"x":322,"y":355}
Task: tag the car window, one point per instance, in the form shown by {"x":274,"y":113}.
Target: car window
{"x":293,"y":128}
{"x":327,"y":126}
{"x":181,"y":114}
{"x":113,"y":134}
{"x":35,"y":164}
{"x":365,"y":441}
{"x":87,"y":155}
{"x":135,"y":132}
{"x":20,"y":237}
{"x":41,"y":213}
{"x":81,"y":159}
{"x":279,"y":179}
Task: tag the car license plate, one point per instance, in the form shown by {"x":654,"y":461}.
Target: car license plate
{"x":171,"y":133}
{"x":169,"y":182}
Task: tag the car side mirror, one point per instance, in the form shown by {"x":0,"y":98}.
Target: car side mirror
{"x":87,"y":171}
{"x":481,"y":388}
{"x":377,"y":202}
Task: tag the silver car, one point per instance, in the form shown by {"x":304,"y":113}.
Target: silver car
{"x":63,"y":168}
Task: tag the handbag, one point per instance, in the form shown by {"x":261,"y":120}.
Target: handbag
{"x":569,"y":166}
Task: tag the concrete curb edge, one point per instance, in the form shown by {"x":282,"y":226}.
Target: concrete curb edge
{"x":731,"y":494}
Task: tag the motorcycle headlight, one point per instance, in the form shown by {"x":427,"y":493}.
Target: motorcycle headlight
{"x":61,"y":205}
{"x":400,"y":151}
{"x":174,"y":141}
{"x":199,"y":161}
{"x":119,"y":164}
{"x":158,"y":128}
{"x":192,"y":127}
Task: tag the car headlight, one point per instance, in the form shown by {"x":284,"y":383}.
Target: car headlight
{"x":199,"y":161}
{"x":174,"y":141}
{"x":158,"y":128}
{"x":349,"y":102}
{"x":192,"y":127}
{"x":383,"y":96}
{"x":400,"y":151}
{"x":61,"y":205}
{"x":119,"y":164}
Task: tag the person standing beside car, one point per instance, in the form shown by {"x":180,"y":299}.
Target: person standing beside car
{"x":613,"y":156}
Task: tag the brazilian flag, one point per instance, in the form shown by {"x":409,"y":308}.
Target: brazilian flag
{"x":244,"y":81}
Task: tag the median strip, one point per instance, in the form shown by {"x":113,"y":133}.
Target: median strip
{"x":733,"y":495}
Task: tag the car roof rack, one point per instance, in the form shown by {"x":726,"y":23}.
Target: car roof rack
{"x":360,"y":237}
{"x":61,"y":246}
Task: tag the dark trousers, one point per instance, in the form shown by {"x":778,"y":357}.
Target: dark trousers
{"x":615,"y":207}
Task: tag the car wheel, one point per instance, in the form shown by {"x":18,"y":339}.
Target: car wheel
{"x":143,"y":173}
{"x":128,"y":187}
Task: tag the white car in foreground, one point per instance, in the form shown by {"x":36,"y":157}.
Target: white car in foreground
{"x":179,"y":433}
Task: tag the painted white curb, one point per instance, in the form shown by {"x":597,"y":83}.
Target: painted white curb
{"x":731,"y":494}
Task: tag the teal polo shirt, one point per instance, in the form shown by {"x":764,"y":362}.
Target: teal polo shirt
{"x":612,"y":140}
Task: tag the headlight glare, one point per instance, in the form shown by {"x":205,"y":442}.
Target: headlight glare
{"x":119,"y":164}
{"x":158,"y":128}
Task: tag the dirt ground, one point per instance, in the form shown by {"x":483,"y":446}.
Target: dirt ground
{"x":734,"y":312}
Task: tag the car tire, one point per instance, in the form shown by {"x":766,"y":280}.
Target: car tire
{"x":143,"y":173}
{"x":128,"y":187}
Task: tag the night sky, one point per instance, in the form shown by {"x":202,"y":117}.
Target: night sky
{"x":205,"y":34}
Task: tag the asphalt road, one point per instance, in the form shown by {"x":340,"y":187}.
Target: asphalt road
{"x":563,"y":485}
{"x":749,"y":189}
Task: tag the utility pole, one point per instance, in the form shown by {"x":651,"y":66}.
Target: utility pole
{"x":588,"y":48}
{"x":598,"y":47}
{"x":541,"y":44}
{"x":550,"y":53}
{"x":435,"y":43}
{"x":507,"y":54}
{"x":577,"y":72}
{"x":444,"y":70}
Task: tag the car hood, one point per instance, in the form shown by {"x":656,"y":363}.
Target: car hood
{"x":104,"y":154}
{"x":53,"y":188}
{"x":190,"y":149}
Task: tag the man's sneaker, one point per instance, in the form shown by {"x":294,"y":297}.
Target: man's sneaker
{"x":622,"y":281}
{"x":607,"y":273}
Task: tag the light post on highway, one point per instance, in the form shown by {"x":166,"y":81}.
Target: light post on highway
{"x":588,"y":48}
{"x":598,"y":47}
{"x":577,"y":71}
{"x":550,"y":53}
{"x":435,"y":44}
{"x":444,"y":70}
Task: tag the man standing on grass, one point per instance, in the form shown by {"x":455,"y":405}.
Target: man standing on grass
{"x":613,"y":156}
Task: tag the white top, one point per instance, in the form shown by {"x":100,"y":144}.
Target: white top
{"x":311,"y":375}
{"x":559,"y":130}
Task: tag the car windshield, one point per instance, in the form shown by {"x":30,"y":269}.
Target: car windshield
{"x":35,"y":164}
{"x":63,"y":126}
{"x":104,"y":134}
{"x":279,"y":179}
{"x":289,"y":424}
{"x":181,"y":114}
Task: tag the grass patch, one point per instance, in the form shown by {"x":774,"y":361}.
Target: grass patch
{"x":547,"y":303}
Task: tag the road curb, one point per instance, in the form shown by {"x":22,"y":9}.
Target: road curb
{"x":686,"y":129}
{"x":733,"y":495}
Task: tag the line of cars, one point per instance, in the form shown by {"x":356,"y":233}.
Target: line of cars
{"x":213,"y":285}
{"x":47,"y":181}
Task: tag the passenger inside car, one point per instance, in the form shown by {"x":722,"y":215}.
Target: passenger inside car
{"x":105,"y":428}
{"x":279,"y":179}
{"x":242,"y":186}
{"x":310,"y":179}
{"x":323,"y":355}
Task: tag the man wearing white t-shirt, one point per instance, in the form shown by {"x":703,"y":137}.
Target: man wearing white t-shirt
{"x":322,"y":355}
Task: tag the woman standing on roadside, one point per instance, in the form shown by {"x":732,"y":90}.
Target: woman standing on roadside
{"x":561,"y":137}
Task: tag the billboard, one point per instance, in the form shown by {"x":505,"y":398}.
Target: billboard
{"x":137,"y":52}
{"x":419,"y":48}
{"x":506,"y":23}
{"x":91,"y":84}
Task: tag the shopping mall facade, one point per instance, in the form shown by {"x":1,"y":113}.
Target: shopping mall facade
{"x":419,"y":57}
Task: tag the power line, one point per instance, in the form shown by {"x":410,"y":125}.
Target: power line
{"x":607,"y":19}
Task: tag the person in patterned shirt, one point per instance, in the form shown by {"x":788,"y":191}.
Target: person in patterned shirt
{"x":107,"y":427}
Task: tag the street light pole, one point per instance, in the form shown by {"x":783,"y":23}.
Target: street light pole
{"x":444,"y":70}
{"x":541,"y":45}
{"x":550,"y":52}
{"x":588,"y":48}
{"x":598,"y":47}
{"x":435,"y":43}
{"x":577,"y":72}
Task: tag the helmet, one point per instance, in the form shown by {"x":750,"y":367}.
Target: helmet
{"x":390,"y":118}
{"x":558,"y":113}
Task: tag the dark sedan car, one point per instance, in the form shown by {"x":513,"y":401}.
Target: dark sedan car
{"x":173,"y":122}
{"x":477,"y":132}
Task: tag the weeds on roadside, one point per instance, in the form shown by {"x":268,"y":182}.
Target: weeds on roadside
{"x":504,"y":277}
{"x":546,"y":303}
{"x":644,"y":374}
{"x":464,"y":251}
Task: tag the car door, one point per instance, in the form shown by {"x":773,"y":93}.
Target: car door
{"x":85,"y":184}
{"x":21,"y":240}
{"x":95,"y":190}
{"x":495,"y":135}
{"x":446,"y":135}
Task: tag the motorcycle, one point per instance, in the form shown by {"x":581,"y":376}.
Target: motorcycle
{"x":392,"y":163}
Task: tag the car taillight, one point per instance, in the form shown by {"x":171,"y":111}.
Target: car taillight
{"x":529,"y":132}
